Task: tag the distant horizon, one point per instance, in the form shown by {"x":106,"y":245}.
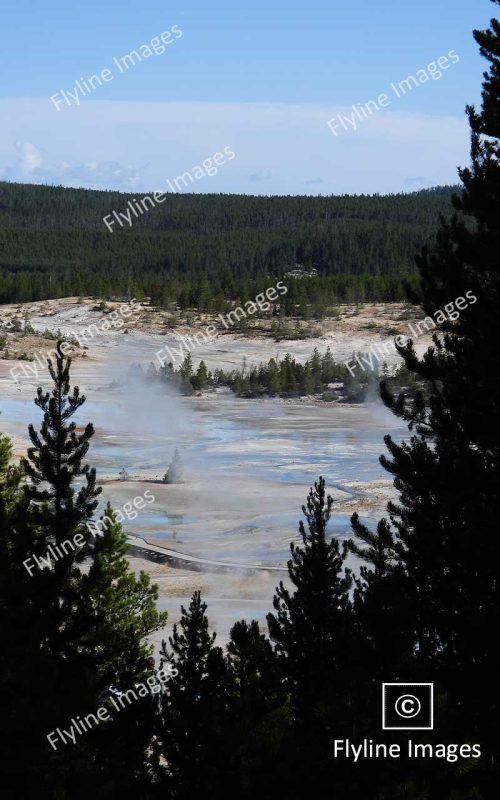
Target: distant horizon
{"x":450,"y":187}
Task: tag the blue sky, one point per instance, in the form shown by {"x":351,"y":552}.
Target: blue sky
{"x":263,"y":78}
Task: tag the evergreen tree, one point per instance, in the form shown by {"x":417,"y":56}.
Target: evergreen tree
{"x":309,"y":624}
{"x":194,"y":709}
{"x":81,"y":619}
{"x":443,"y":529}
{"x":186,"y":368}
{"x":15,"y":663}
{"x":257,"y":711}
{"x":199,"y":380}
{"x":125,"y":607}
{"x":274,"y":378}
{"x":311,"y":628}
{"x":307,"y":383}
{"x":315,"y":362}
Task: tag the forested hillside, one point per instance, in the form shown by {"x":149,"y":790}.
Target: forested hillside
{"x":203,"y":250}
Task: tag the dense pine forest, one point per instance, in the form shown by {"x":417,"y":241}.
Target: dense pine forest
{"x":205,"y":250}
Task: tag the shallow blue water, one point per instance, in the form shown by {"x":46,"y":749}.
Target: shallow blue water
{"x":214,"y":437}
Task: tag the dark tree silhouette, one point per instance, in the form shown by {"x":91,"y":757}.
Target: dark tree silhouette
{"x":443,"y":528}
{"x":311,"y":629}
{"x":81,"y":619}
{"x":193,"y":726}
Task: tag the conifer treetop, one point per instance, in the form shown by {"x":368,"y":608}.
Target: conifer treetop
{"x":56,"y":458}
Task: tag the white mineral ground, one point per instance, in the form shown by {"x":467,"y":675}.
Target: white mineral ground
{"x":248,"y":464}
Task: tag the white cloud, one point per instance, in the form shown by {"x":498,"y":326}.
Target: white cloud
{"x":31,"y":167}
{"x":28,"y":161}
{"x":139,"y":145}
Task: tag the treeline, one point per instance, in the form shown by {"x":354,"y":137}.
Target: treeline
{"x":319,"y":375}
{"x":286,"y":378}
{"x":308,"y":297}
{"x":206,"y":250}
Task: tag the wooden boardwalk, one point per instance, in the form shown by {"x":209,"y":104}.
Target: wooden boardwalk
{"x":137,"y":546}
